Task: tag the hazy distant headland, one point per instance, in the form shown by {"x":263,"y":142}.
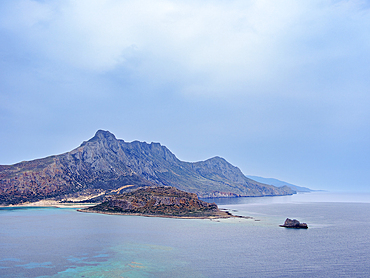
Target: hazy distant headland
{"x":279,"y":183}
{"x":104,"y":166}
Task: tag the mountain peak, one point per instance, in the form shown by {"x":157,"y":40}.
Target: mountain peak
{"x":101,"y":135}
{"x":104,"y":134}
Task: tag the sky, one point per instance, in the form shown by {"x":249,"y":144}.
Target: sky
{"x":280,"y":89}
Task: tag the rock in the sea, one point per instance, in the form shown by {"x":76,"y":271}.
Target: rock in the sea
{"x":289,"y":223}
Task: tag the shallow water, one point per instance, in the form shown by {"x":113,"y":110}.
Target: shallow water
{"x":49,"y":242}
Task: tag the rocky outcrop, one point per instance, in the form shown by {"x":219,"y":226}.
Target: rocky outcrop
{"x":289,"y":223}
{"x":164,"y":201}
{"x":105,"y":165}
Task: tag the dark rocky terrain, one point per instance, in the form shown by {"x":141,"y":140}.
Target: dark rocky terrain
{"x":295,"y":224}
{"x":164,"y":201}
{"x":104,"y":165}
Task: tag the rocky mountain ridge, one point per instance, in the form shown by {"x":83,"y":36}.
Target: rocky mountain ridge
{"x":105,"y":165}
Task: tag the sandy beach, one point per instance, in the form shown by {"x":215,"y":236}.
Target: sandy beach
{"x":51,"y":203}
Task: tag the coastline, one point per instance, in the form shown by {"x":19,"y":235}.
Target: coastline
{"x":221,"y":215}
{"x":49,"y":203}
{"x":81,"y":207}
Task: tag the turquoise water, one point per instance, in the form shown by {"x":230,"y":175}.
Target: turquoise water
{"x":49,"y":242}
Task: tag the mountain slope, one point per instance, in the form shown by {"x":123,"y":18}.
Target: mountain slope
{"x":104,"y":165}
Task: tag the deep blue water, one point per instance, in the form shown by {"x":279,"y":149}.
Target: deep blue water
{"x":49,"y":242}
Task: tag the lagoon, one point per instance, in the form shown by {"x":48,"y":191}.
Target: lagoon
{"x":61,"y":242}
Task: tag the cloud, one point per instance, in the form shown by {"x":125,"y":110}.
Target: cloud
{"x":276,"y":78}
{"x":313,"y":52}
{"x":220,"y":48}
{"x":310,"y":52}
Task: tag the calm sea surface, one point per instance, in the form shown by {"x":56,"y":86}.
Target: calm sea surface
{"x":50,"y":242}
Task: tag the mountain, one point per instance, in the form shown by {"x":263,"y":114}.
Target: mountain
{"x":105,"y":165}
{"x":279,"y":183}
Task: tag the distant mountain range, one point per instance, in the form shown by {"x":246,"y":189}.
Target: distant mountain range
{"x":105,"y":165}
{"x":280,"y":183}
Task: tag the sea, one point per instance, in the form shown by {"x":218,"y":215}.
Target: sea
{"x":62,"y":242}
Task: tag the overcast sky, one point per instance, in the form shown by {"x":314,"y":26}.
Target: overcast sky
{"x":280,"y":89}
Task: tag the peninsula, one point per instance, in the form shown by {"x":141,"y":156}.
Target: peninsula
{"x":164,"y":201}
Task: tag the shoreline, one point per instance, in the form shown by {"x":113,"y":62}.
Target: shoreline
{"x":222,"y":215}
{"x":51,"y":204}
{"x":81,"y":207}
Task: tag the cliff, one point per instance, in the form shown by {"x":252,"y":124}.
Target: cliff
{"x":164,"y":201}
{"x":105,"y":165}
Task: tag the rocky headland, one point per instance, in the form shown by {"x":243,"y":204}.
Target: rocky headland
{"x":165,"y":201}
